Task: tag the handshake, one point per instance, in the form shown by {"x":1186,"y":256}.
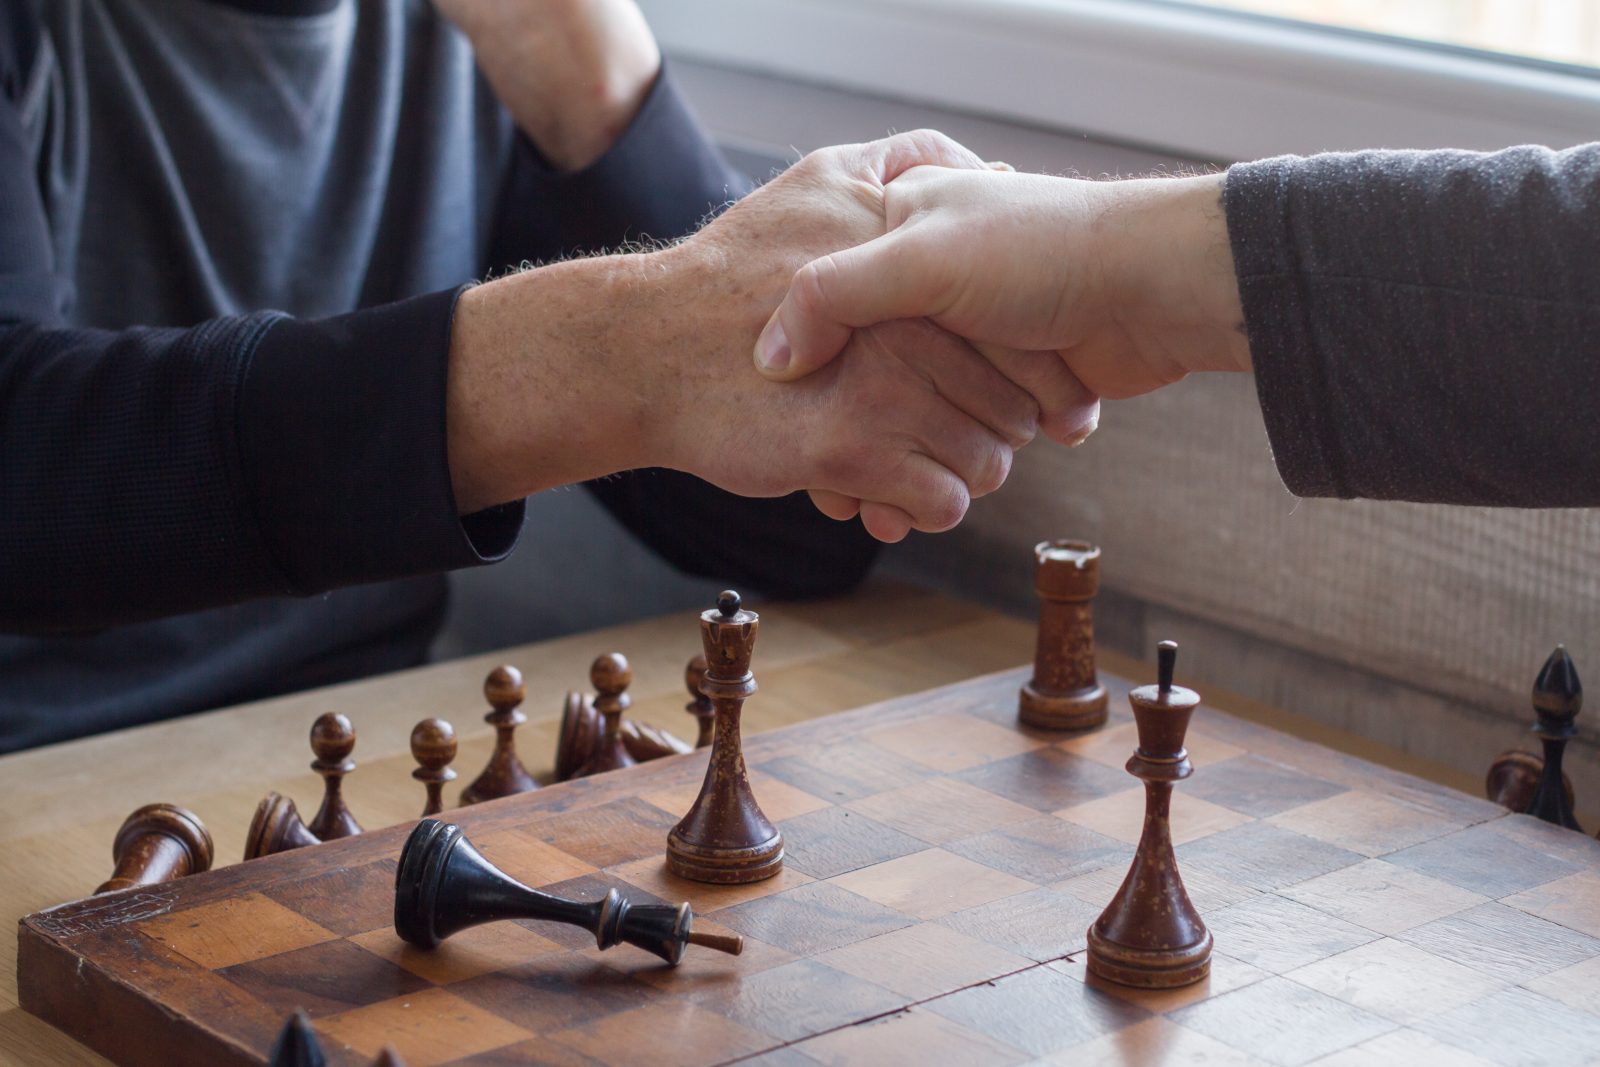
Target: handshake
{"x":883,"y":325}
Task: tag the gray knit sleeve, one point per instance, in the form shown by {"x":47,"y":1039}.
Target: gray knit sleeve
{"x":1426,"y":325}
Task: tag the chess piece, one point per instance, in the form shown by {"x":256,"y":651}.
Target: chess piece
{"x":1557,"y":698}
{"x":699,"y":705}
{"x":582,"y":730}
{"x":433,"y":746}
{"x":297,"y":1044}
{"x":158,"y":843}
{"x":610,"y":675}
{"x":1064,"y":692}
{"x":276,"y":827}
{"x":388,"y":1058}
{"x":1513,"y":778}
{"x":505,"y":775}
{"x":332,"y":741}
{"x":1150,"y":935}
{"x":725,"y":838}
{"x":444,"y":885}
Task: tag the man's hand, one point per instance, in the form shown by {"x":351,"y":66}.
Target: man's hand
{"x":573,"y":73}
{"x":594,"y":366}
{"x":1129,"y":284}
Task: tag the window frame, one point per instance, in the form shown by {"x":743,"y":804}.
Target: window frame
{"x":1189,"y":80}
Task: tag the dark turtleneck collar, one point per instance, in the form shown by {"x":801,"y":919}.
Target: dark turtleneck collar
{"x":280,"y":7}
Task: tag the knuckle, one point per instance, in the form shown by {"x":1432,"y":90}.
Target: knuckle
{"x":946,"y":507}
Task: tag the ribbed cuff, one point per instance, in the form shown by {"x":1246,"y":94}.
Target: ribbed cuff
{"x":344,"y":449}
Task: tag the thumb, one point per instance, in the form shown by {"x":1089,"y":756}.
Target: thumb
{"x":887,"y":278}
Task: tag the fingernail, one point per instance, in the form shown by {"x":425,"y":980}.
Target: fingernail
{"x":1083,"y":435}
{"x":772,"y":350}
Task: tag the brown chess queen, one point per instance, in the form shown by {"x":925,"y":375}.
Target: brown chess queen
{"x":1150,"y":935}
{"x":1064,"y":692}
{"x":726,"y":838}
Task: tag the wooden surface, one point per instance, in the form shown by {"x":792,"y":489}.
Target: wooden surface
{"x":65,"y":803}
{"x":944,"y":865}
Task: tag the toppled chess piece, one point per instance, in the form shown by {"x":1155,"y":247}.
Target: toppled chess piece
{"x":1513,"y":779}
{"x":276,"y":827}
{"x":332,"y":741}
{"x":1557,"y":698}
{"x":297,"y":1044}
{"x":705,"y":716}
{"x":726,"y":838}
{"x":505,"y":775}
{"x":433,"y":746}
{"x":158,"y":843}
{"x":1150,"y":935}
{"x":582,"y":747}
{"x":1064,"y":692}
{"x":444,"y":885}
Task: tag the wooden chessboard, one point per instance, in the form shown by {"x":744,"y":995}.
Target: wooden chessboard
{"x":943,"y":866}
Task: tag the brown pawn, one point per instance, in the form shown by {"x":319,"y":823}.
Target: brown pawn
{"x":610,"y":675}
{"x":332,"y":741}
{"x":1064,"y":692}
{"x":433,"y":746}
{"x":276,"y":827}
{"x":505,"y":775}
{"x":1150,"y":935}
{"x":726,"y":838}
{"x":158,"y":843}
{"x":700,"y":705}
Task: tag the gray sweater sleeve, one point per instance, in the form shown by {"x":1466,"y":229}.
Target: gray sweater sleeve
{"x":1424,"y":325}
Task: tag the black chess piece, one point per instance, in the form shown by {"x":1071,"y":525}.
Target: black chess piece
{"x":297,"y":1045}
{"x":444,"y":885}
{"x":1557,"y":697}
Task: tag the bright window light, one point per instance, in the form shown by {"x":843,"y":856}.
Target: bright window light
{"x":1561,"y":31}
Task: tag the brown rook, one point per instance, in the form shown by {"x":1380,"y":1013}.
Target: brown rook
{"x":433,"y":746}
{"x":1064,"y":692}
{"x":1150,"y":934}
{"x":158,"y":843}
{"x":505,"y":774}
{"x":332,"y":741}
{"x":726,"y":838}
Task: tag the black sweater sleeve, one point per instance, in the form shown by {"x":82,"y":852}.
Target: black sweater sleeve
{"x":1423,"y":324}
{"x":147,"y":472}
{"x":661,"y":180}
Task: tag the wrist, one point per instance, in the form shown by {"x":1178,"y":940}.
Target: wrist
{"x":1169,"y":277}
{"x":547,"y":379}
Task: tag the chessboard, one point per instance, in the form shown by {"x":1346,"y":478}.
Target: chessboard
{"x":943,"y":865}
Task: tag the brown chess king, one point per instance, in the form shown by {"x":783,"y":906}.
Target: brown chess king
{"x":1064,"y":692}
{"x":1150,"y":935}
{"x":725,"y":838}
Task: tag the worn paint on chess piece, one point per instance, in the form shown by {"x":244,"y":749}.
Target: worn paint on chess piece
{"x":1064,"y":692}
{"x":1150,"y":935}
{"x":726,"y":838}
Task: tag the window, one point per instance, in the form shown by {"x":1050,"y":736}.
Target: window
{"x":1216,"y":80}
{"x":1559,"y":31}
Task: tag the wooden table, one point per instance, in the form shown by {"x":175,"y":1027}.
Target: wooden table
{"x":64,"y":803}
